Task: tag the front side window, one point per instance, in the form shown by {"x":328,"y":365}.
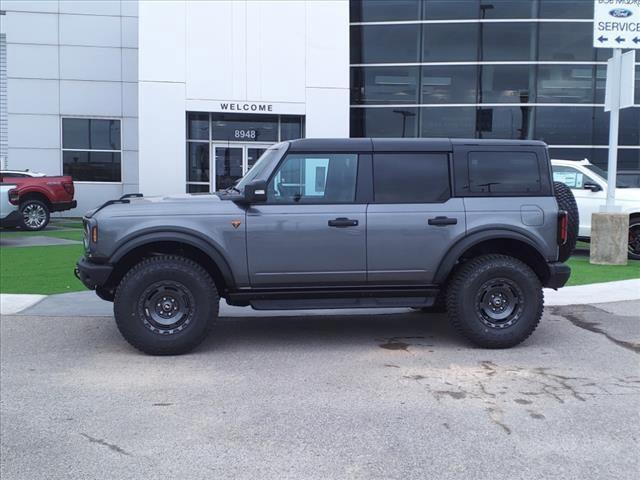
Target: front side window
{"x":411,"y":178}
{"x":504,"y":172}
{"x":315,"y":178}
{"x":571,"y":177}
{"x":91,"y":150}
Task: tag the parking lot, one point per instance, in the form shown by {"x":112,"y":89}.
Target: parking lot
{"x":340,"y":396}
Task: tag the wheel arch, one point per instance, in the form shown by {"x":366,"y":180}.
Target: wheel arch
{"x":506,"y":242}
{"x":34,"y":195}
{"x":175,"y":243}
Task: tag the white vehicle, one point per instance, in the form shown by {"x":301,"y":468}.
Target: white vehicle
{"x":589,"y":186}
{"x":9,"y":213}
{"x":20,"y":174}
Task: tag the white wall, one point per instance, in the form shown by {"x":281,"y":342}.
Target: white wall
{"x":292,"y":54}
{"x":70,"y":58}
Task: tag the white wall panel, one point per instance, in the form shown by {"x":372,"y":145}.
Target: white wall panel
{"x":34,"y":131}
{"x":129,"y":133}
{"x":129,"y":32}
{"x":327,"y":112}
{"x":32,"y":96}
{"x":89,"y":30}
{"x":162,"y":138}
{"x":92,"y":195}
{"x":162,"y":41}
{"x":328,"y":44}
{"x":32,"y":61}
{"x":90,"y":63}
{"x":129,"y":8}
{"x":129,"y":65}
{"x":130,"y":99}
{"x":130,"y":171}
{"x":31,"y":28}
{"x":90,"y":98}
{"x":45,"y":160}
{"x":44,"y":6}
{"x":90,"y":7}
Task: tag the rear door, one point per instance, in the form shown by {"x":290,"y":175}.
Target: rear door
{"x":413,"y":219}
{"x":311,"y":231}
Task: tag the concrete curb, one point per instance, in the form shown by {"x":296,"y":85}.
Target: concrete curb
{"x":88,"y":304}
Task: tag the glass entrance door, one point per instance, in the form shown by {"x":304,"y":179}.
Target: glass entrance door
{"x":231,"y":162}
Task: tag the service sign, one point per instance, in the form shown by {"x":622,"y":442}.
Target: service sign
{"x":616,"y":24}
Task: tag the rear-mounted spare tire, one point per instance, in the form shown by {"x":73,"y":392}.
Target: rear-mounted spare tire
{"x":567,"y":202}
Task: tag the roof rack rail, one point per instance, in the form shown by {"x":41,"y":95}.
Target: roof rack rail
{"x":123,"y":199}
{"x":131,"y":195}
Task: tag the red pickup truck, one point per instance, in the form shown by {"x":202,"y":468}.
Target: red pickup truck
{"x":39,"y":195}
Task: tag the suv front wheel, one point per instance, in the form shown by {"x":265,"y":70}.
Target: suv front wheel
{"x":495,"y":301}
{"x":164,"y":305}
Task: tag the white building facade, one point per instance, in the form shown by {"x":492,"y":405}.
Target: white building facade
{"x":168,"y":96}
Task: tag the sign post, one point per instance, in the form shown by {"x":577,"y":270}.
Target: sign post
{"x":616,"y":24}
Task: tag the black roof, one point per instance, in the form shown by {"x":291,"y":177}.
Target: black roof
{"x":398,"y":144}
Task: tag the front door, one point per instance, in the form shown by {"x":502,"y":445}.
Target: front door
{"x":589,"y":202}
{"x":310,"y":231}
{"x":231,"y":162}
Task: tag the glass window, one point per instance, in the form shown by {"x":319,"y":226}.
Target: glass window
{"x":228,"y":166}
{"x":439,"y":47}
{"x":506,"y":41}
{"x":512,"y":123}
{"x":571,"y":177}
{"x":504,"y":172}
{"x":566,"y":83}
{"x":411,"y":178}
{"x":384,"y":10}
{"x":195,"y":188}
{"x":385,"y":43}
{"x":384,"y":122}
{"x":198,"y":126}
{"x":91,"y":149}
{"x":629,"y":126}
{"x":290,"y":127}
{"x":379,"y":85}
{"x":451,"y":84}
{"x":198,"y":158}
{"x":556,"y":44}
{"x":453,"y":122}
{"x":594,"y":155}
{"x":565,"y":125}
{"x":244,"y":128}
{"x":315,"y":178}
{"x":566,"y":9}
{"x":90,"y":134}
{"x":451,"y":9}
{"x":88,"y":166}
{"x":508,"y":9}
{"x":507,"y":83}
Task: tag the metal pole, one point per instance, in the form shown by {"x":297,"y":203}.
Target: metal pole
{"x":614,"y":124}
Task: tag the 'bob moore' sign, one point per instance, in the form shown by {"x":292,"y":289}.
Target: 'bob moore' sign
{"x":616,"y":24}
{"x":246,"y":107}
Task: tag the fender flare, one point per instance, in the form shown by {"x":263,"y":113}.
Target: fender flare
{"x":186,"y":237}
{"x":454,"y":253}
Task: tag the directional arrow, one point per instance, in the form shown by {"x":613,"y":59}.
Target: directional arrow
{"x":620,"y":39}
{"x":636,"y":40}
{"x":602,"y":38}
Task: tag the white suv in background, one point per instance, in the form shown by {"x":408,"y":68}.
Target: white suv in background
{"x":589,"y":185}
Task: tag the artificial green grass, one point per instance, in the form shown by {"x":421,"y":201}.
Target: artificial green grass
{"x":71,"y":234}
{"x":582,"y":272}
{"x":43,"y":270}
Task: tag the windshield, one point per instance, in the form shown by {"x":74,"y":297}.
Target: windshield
{"x":261,"y":165}
{"x":602,"y":174}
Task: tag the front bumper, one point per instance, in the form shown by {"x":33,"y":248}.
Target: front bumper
{"x":91,"y":274}
{"x":61,"y":206}
{"x":559,"y":274}
{"x":11,"y":220}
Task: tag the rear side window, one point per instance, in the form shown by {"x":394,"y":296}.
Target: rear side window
{"x":504,"y":172}
{"x":411,"y":178}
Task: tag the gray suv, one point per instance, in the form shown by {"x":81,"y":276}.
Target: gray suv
{"x":470,"y":226}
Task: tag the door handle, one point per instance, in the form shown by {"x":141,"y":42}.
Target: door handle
{"x":442,"y":221}
{"x":343,"y":222}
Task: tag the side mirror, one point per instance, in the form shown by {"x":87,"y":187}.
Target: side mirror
{"x":594,"y":187}
{"x":255,"y":192}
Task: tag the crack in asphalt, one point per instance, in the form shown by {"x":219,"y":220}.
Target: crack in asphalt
{"x":110,"y":446}
{"x":595,"y":328}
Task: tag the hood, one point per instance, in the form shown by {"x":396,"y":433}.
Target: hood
{"x":179,"y":204}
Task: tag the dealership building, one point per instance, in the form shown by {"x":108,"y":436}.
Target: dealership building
{"x":183,"y":96}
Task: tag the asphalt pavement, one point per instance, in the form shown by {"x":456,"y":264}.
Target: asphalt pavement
{"x":396,"y":396}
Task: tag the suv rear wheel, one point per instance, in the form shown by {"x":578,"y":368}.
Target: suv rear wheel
{"x":634,"y":238}
{"x":165,"y":304}
{"x":495,"y":301}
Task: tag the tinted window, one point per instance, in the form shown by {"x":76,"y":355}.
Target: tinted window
{"x":384,"y":122}
{"x":198,"y":160}
{"x":290,"y":127}
{"x":504,"y":172}
{"x":566,"y":9}
{"x":90,"y":134}
{"x":507,"y":83}
{"x":555,"y":44}
{"x":385,"y":43}
{"x":438,"y":47}
{"x":244,"y":128}
{"x":376,"y":85}
{"x":384,"y":10}
{"x":411,"y":178}
{"x":91,"y":166}
{"x":571,"y":177}
{"x":315,"y":178}
{"x":198,"y":126}
{"x":506,"y":41}
{"x":450,"y":84}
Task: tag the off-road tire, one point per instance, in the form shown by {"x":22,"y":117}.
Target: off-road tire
{"x":634,"y":223}
{"x":195,"y":288}
{"x":566,"y":201}
{"x":467,"y":285}
{"x":39,"y":206}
